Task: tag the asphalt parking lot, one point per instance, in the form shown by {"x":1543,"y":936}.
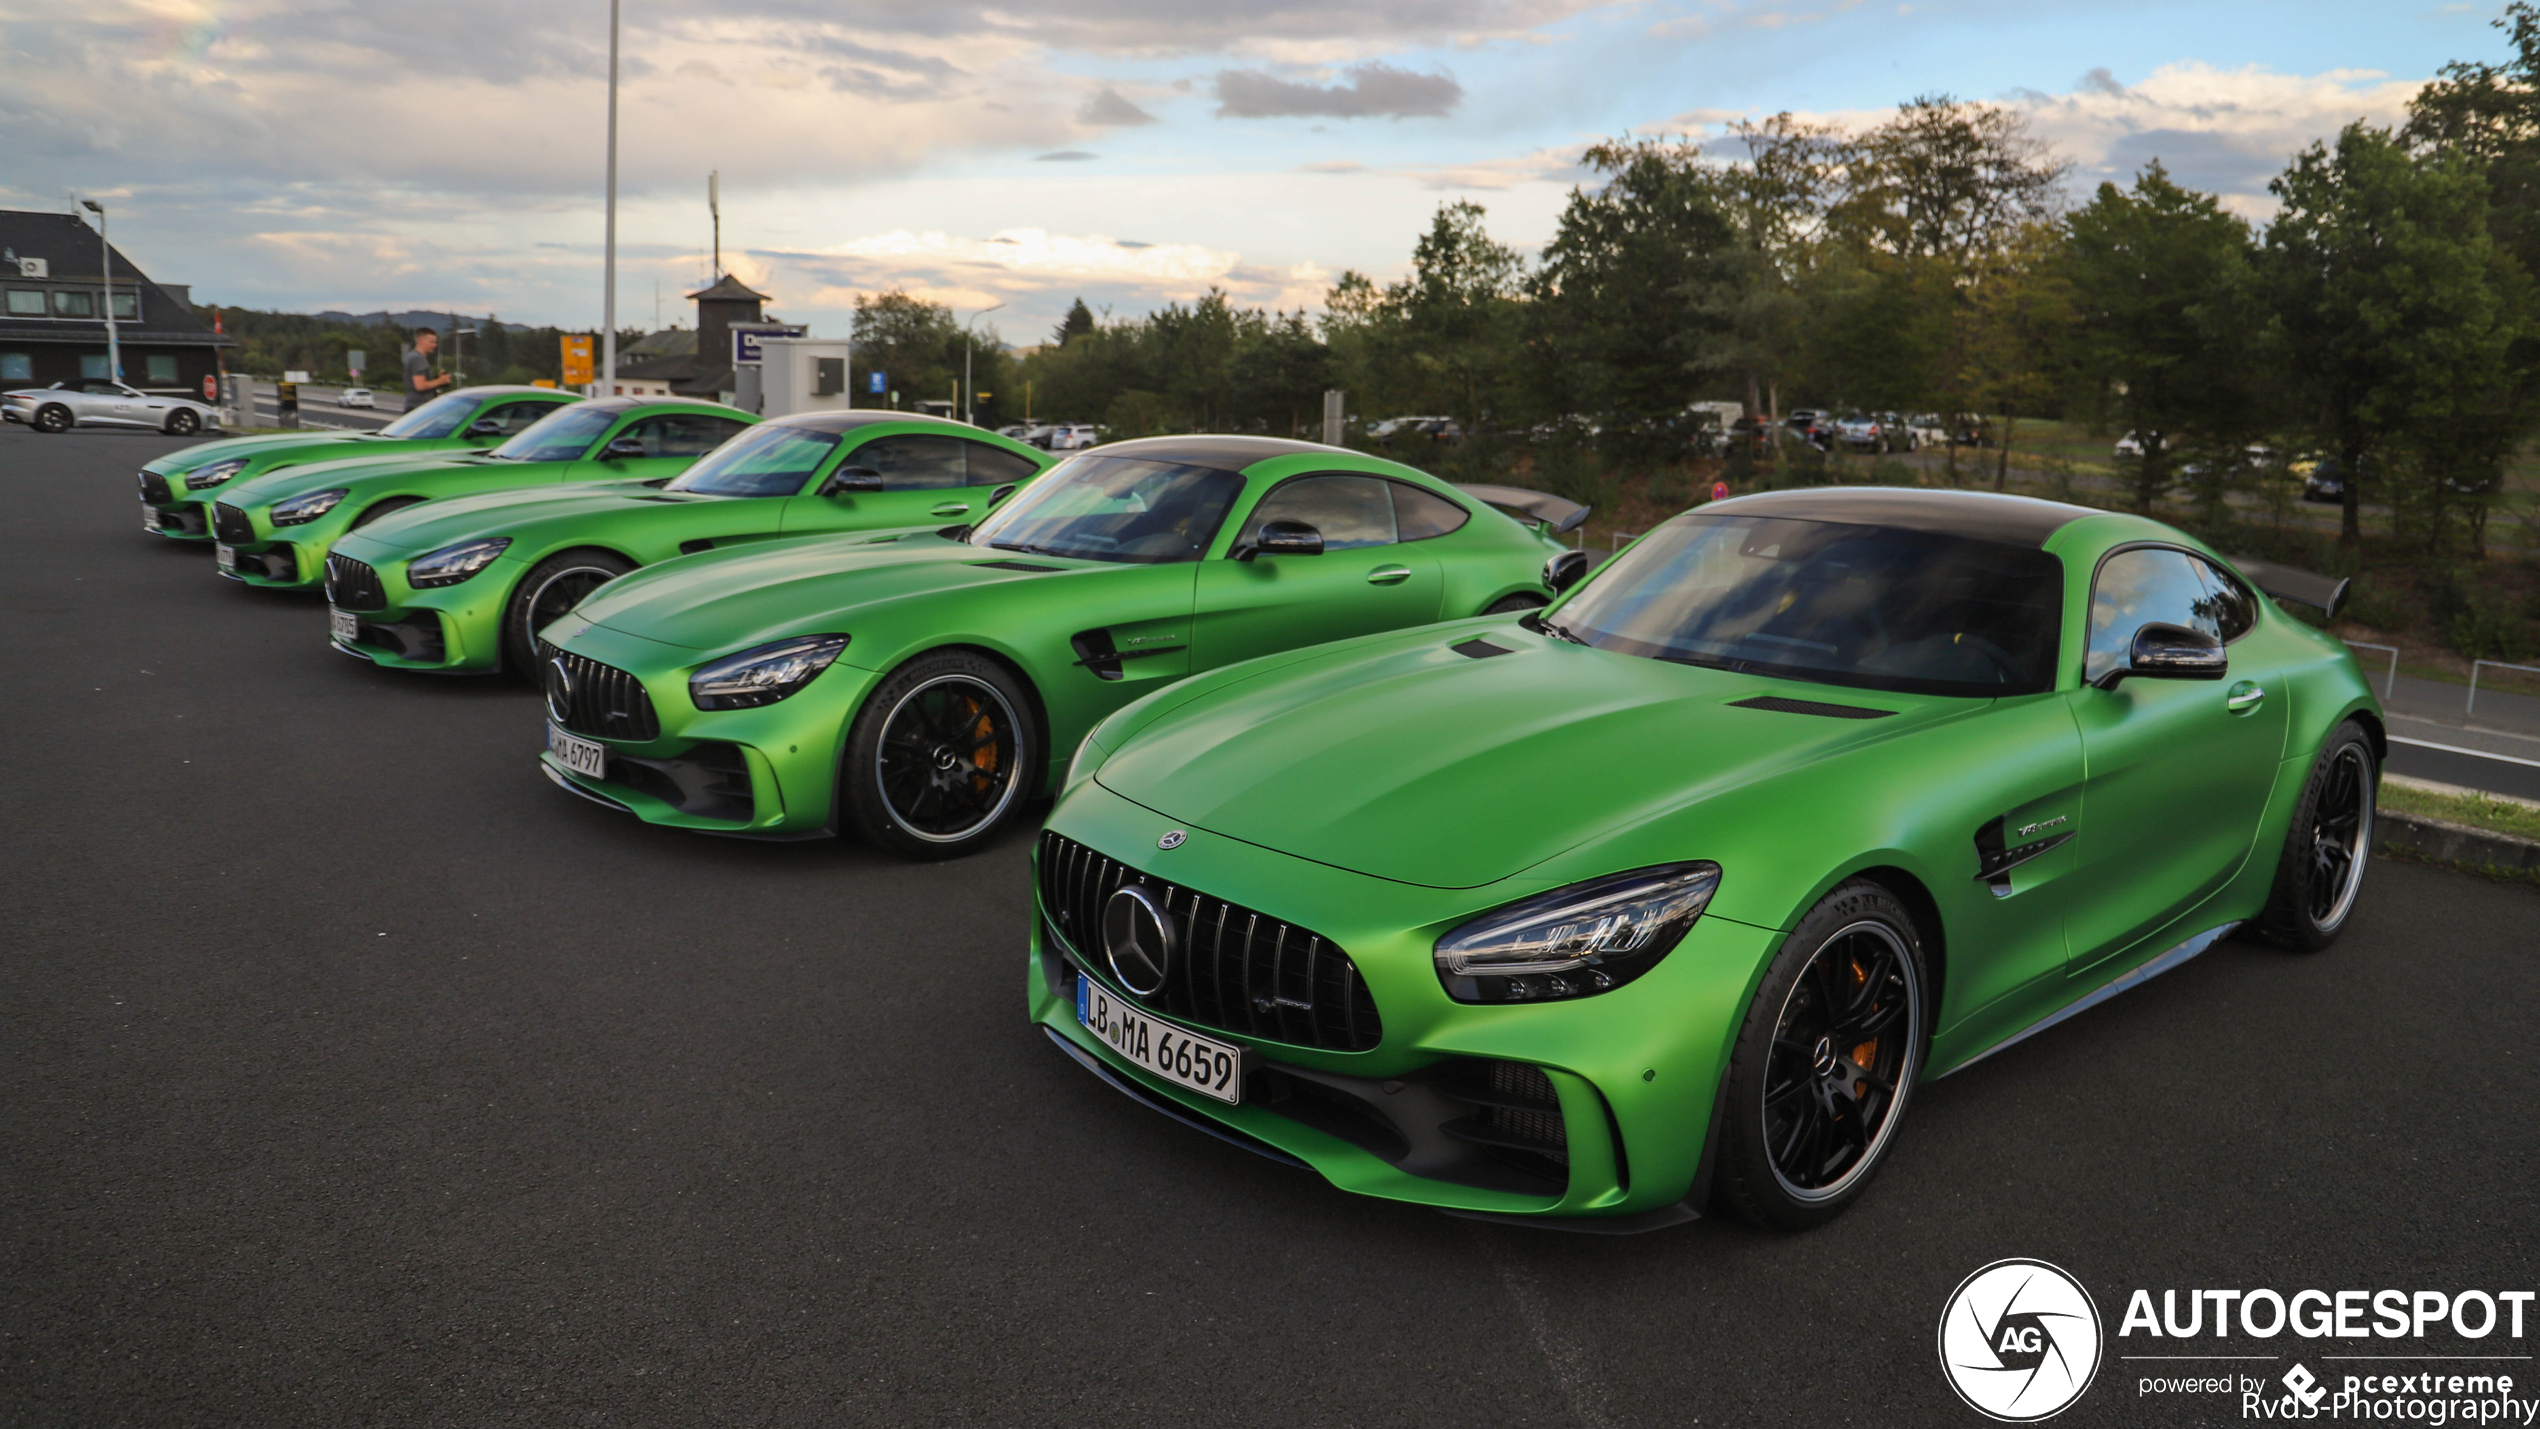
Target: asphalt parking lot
{"x":353,"y":1074}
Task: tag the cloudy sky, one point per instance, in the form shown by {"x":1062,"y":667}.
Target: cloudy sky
{"x":308,"y":154}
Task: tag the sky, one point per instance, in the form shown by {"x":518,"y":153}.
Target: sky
{"x":314,"y":154}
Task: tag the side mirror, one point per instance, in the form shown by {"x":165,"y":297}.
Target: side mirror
{"x":620,"y":448}
{"x":484,"y":427}
{"x":2170,"y":652}
{"x":1283,"y":538}
{"x":1565,"y":570}
{"x":1000,"y":494}
{"x":852,"y":478}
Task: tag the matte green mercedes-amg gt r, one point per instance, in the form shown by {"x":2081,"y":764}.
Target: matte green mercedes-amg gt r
{"x":277,"y":529}
{"x":915,"y":687}
{"x":463,"y":586}
{"x":177,"y":490}
{"x":1667,"y":896}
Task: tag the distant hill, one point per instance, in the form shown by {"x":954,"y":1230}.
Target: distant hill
{"x":414,"y":318}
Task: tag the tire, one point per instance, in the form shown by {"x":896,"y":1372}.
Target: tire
{"x":53,"y":419}
{"x":904,"y":784}
{"x":2320,"y":874}
{"x":1807,"y":1123}
{"x":391,"y":505}
{"x":1515,"y":604}
{"x":552,"y":587}
{"x":183,"y":423}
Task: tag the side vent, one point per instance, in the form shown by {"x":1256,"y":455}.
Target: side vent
{"x":1778,"y":705}
{"x":1095,"y":652}
{"x":690,"y":548}
{"x":1479,"y":649}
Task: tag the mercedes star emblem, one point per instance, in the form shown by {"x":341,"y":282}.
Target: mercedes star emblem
{"x":1173,"y":838}
{"x":1137,"y":933}
{"x":559,"y":689}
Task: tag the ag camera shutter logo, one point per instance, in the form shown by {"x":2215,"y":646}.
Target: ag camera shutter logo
{"x":2019,"y":1341}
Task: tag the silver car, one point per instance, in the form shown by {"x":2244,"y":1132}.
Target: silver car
{"x":59,"y":408}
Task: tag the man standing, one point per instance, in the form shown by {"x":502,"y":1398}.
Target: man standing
{"x":421,"y":383}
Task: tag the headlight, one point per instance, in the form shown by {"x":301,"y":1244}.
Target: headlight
{"x":453,"y":564}
{"x":300,"y":510}
{"x":763,"y":675}
{"x":1577,"y":941}
{"x":214,"y":473}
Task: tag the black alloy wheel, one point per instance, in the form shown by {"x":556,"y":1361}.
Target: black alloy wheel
{"x":2321,"y":871}
{"x":183,"y":423}
{"x":52,"y":419}
{"x":941,"y":753}
{"x":552,"y":587}
{"x":1825,"y":1062}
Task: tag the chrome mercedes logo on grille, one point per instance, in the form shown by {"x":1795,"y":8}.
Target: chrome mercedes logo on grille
{"x":559,"y":684}
{"x":1137,"y":934}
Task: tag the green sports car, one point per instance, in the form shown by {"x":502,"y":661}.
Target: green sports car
{"x":918,"y":687}
{"x":1667,"y":896}
{"x":463,"y":586}
{"x":177,"y":490}
{"x":277,"y":529}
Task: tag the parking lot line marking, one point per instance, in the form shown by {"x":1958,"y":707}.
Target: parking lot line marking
{"x":2456,"y":749}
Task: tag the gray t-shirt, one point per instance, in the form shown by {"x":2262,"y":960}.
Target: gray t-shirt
{"x":418,"y":369}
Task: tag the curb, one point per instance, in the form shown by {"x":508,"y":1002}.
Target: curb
{"x":2440,"y":841}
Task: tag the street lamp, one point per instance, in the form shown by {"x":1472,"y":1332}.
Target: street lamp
{"x":608,"y":261}
{"x":106,"y":265}
{"x":970,"y":340}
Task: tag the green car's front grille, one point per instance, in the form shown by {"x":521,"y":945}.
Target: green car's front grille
{"x":154,"y":488}
{"x":352,"y":585}
{"x":1237,"y":970}
{"x":231,"y":524}
{"x":588,"y":697}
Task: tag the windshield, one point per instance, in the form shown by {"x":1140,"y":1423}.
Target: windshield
{"x":440,"y":417}
{"x":1868,"y":606}
{"x":1105,"y":508}
{"x":763,"y":461}
{"x":563,"y":436}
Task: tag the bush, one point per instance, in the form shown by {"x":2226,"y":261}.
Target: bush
{"x":2484,"y":628}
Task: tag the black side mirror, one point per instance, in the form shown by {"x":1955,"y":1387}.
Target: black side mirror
{"x":484,"y":427}
{"x":1565,"y":570}
{"x":852,"y":478}
{"x":1283,"y":538}
{"x":1000,"y":494}
{"x":2170,"y":652}
{"x":620,"y":448}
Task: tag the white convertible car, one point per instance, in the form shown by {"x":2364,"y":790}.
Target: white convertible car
{"x":60,"y":407}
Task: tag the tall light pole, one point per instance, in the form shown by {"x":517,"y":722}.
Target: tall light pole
{"x":106,"y":265}
{"x":969,"y":341}
{"x":608,"y":259}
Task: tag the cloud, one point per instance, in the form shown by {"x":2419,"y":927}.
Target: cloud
{"x":1374,"y":90}
{"x":1064,"y":156}
{"x":1109,"y":110}
{"x":1333,"y":166}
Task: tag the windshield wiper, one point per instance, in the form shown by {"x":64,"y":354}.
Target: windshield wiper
{"x":1541,"y":626}
{"x":1025,"y":549}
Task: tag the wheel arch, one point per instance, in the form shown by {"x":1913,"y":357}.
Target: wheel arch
{"x":1022,"y":677}
{"x":69,"y":418}
{"x":386,"y":505}
{"x":838,"y":814}
{"x":1911,"y":891}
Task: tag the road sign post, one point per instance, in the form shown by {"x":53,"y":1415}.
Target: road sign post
{"x":576,"y":359}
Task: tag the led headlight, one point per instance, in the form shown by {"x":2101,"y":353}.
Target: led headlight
{"x":453,"y":564}
{"x":763,"y":674}
{"x":214,"y":473}
{"x":300,"y":510}
{"x":1577,"y":941}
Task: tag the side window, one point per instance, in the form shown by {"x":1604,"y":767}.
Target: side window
{"x":516,"y":416}
{"x":161,"y":367}
{"x":26,"y":302}
{"x":1350,"y":511}
{"x":914,"y":463}
{"x":17,"y":367}
{"x":1422,"y":514}
{"x":995,"y":466}
{"x":2138,"y":587}
{"x":677,"y":434}
{"x":725,"y":429}
{"x":74,"y":305}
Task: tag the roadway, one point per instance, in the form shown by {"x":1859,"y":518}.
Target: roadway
{"x":354,"y":1074}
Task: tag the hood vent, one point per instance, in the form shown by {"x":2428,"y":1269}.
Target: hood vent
{"x":1479,"y":649}
{"x":1014,"y":566}
{"x":1778,"y":705}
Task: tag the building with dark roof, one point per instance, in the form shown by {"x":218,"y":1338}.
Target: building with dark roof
{"x":702,"y":365}
{"x":54,"y":278}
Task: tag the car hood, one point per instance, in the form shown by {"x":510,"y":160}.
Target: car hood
{"x":344,"y":471}
{"x":227,"y":447}
{"x":488,"y":513}
{"x":1403,"y":759}
{"x":769,"y":590}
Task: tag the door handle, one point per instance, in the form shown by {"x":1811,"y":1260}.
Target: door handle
{"x":953,"y":508}
{"x":1388,"y":575}
{"x":2244,"y":697}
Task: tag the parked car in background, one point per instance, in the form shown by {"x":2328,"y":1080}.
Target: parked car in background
{"x":1927,"y":429}
{"x":1972,"y":431}
{"x":1813,"y":427}
{"x":1071,"y":437}
{"x":2129,"y":447}
{"x":60,"y":407}
{"x":1882,"y":432}
{"x":2326,"y":482}
{"x":355,"y":397}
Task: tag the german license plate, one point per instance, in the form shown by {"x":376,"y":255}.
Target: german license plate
{"x":226,"y":556}
{"x":343,"y":625}
{"x":1185,"y":1059}
{"x":149,"y":518}
{"x":583,"y":756}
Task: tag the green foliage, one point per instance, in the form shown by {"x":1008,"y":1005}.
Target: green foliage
{"x":272,"y":343}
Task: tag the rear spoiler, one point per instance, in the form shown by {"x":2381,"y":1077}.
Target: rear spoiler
{"x":1560,"y":513}
{"x":2322,"y":593}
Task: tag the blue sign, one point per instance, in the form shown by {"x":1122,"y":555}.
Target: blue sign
{"x":880,"y":383}
{"x":745,"y":341}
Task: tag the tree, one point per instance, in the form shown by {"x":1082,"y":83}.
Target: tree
{"x":2019,"y":338}
{"x":2401,"y":318}
{"x":1078,"y":322}
{"x":2490,"y":115}
{"x":1946,"y":179}
{"x":2143,"y":268}
{"x":1749,"y":300}
{"x":908,"y":338}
